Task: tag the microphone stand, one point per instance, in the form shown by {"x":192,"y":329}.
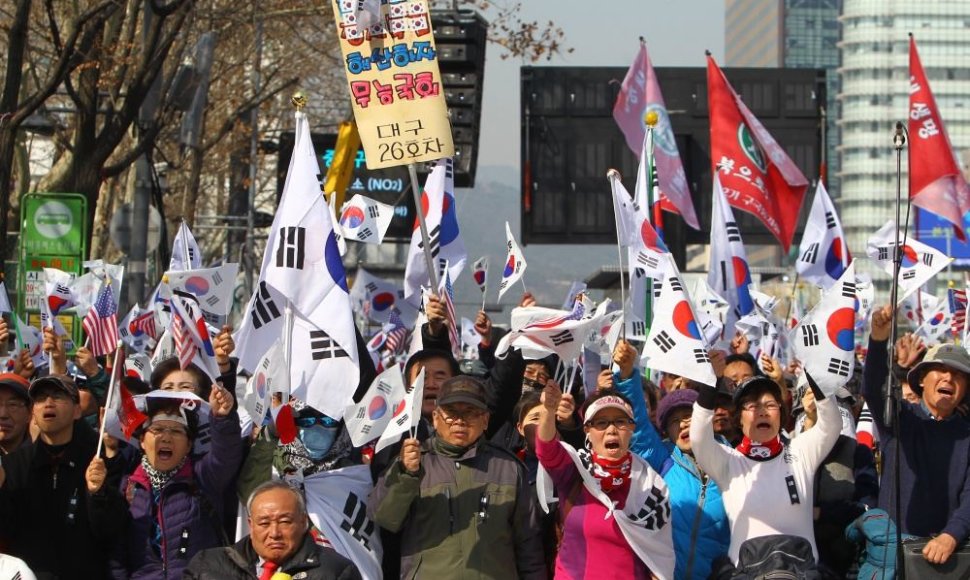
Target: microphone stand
{"x":892,"y":392}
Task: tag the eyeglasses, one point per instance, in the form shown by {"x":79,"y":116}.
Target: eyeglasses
{"x":13,"y":405}
{"x":307,"y":422}
{"x":622,"y":424}
{"x":450,"y":417}
{"x":679,"y":421}
{"x":158,"y":431}
{"x":58,"y":396}
{"x":752,"y":406}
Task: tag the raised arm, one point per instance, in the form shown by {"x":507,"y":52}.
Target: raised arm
{"x":711,"y":456}
{"x":646,"y":442}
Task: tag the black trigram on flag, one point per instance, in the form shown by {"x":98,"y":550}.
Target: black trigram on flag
{"x":291,"y":251}
{"x":733,"y":233}
{"x":373,"y":211}
{"x":323,"y":347}
{"x":264,"y":309}
{"x":848,"y":289}
{"x":811,"y":254}
{"x":657,"y":287}
{"x":810,"y":335}
{"x":701,"y":356}
{"x":655,"y":512}
{"x":212,"y":300}
{"x":838,"y":367}
{"x":366,"y":428}
{"x":217,"y":278}
{"x":663,"y":341}
{"x":639,"y":273}
{"x":561,"y":338}
{"x":355,"y":521}
{"x":675,"y":284}
{"x":638,"y":327}
{"x":928,"y":259}
{"x":434,"y":237}
{"x":364,"y":233}
{"x":883,"y":253}
{"x":829,"y":220}
{"x":909,"y":274}
{"x":648,"y":260}
{"x":370,"y":287}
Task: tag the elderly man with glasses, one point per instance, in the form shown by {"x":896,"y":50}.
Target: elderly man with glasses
{"x":463,"y":505}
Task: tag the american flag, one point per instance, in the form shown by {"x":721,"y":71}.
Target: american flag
{"x":184,"y":347}
{"x":449,"y":297}
{"x":396,"y":334}
{"x":144,"y":322}
{"x":101,"y":323}
{"x":958,"y":310}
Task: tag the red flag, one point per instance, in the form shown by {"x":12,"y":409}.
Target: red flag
{"x":639,"y":95}
{"x":756,"y":174}
{"x":935,"y":181}
{"x":128,"y":414}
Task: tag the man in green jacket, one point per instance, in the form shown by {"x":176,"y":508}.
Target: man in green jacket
{"x":463,"y":505}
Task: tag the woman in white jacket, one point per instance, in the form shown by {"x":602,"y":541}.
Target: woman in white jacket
{"x":766,"y":482}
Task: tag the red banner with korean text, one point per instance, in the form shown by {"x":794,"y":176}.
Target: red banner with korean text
{"x":756,"y":174}
{"x":936,"y":183}
{"x":395,"y":84}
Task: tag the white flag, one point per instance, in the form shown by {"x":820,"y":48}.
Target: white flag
{"x":165,"y":349}
{"x":368,"y":419}
{"x":185,"y":251}
{"x":919,"y":261}
{"x":139,"y":366}
{"x":676,"y":344}
{"x":271,"y":376}
{"x":514,"y":263}
{"x":711,"y":311}
{"x":441,"y":219}
{"x":4,"y":299}
{"x":866,"y":295}
{"x":624,"y":211}
{"x":470,"y":339}
{"x":823,"y":254}
{"x":363,"y":219}
{"x":214,"y":288}
{"x":405,"y":414}
{"x":336,"y":503}
{"x":824,"y":340}
{"x":728,"y":273}
{"x":539,"y":332}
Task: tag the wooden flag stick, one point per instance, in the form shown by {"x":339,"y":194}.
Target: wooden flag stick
{"x":111,"y":391}
{"x":425,"y":240}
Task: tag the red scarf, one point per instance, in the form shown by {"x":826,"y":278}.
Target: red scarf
{"x":760,"y":451}
{"x":613,"y":475}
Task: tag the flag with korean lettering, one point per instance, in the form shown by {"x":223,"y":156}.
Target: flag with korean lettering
{"x":271,"y":376}
{"x":676,"y":343}
{"x":756,"y":173}
{"x":823,"y":254}
{"x":936,"y":181}
{"x":213,"y":287}
{"x":515,"y":264}
{"x":101,"y":323}
{"x":368,"y":419}
{"x":919,"y":262}
{"x":936,"y":324}
{"x":363,"y":219}
{"x":441,"y":218}
{"x":302,"y":267}
{"x":639,"y":96}
{"x":405,"y":414}
{"x":185,"y":251}
{"x":480,"y":273}
{"x":728,"y":272}
{"x":191,"y":334}
{"x":824,"y":340}
{"x":377,"y":298}
{"x":336,"y":502}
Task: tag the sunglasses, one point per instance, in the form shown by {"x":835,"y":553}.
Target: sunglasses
{"x":307,"y":422}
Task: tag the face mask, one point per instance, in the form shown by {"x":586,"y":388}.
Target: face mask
{"x":318,"y":440}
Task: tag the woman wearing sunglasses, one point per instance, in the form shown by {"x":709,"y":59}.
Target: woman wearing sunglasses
{"x":614,"y":508}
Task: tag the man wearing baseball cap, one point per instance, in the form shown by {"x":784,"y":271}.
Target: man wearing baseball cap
{"x":934,"y":471}
{"x":463,"y":505}
{"x":14,"y":412}
{"x":44,"y":502}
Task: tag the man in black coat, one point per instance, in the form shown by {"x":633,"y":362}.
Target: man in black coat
{"x":279,"y":542}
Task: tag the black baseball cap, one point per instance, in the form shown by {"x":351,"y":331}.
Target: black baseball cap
{"x":60,"y":382}
{"x":463,"y":389}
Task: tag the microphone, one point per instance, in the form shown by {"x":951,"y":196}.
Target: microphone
{"x":899,"y":138}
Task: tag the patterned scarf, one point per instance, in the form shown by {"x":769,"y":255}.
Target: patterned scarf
{"x":611,"y":474}
{"x":293,"y":457}
{"x":760,"y":451}
{"x":157,"y":477}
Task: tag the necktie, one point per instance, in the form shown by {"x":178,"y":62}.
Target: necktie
{"x":268,"y":569}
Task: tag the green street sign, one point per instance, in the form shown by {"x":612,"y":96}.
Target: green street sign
{"x":53,"y":225}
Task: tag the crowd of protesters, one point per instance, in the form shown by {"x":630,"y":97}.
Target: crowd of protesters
{"x":509,"y":473}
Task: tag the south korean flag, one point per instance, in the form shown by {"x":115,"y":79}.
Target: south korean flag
{"x":823,"y":254}
{"x":824,"y":340}
{"x":919,"y":262}
{"x":364,"y":220}
{"x":676,"y":344}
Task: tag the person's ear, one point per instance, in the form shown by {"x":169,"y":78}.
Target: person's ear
{"x":77,"y":411}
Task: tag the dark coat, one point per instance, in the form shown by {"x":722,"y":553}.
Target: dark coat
{"x":47,"y":517}
{"x":239,"y":562}
{"x":189,"y":508}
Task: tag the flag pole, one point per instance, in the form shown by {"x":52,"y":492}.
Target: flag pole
{"x":287,"y":346}
{"x":185,"y":249}
{"x":614,"y":174}
{"x":425,"y":240}
{"x":791,"y":302}
{"x":112,"y":385}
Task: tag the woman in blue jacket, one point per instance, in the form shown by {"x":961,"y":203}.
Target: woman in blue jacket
{"x":701,"y":531}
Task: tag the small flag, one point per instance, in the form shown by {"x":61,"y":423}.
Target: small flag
{"x":823,"y":254}
{"x":514,"y":263}
{"x":919,"y":262}
{"x":101,"y":323}
{"x":480,"y":273}
{"x":369,"y":419}
{"x":365,"y":220}
{"x":405,"y":414}
{"x":185,"y":251}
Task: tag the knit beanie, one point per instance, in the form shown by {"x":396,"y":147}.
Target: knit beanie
{"x":672,"y":401}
